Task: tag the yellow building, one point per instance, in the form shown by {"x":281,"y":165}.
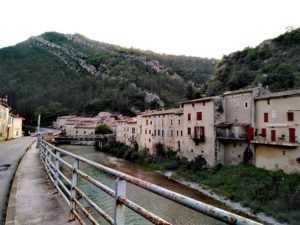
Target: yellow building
{"x":4,"y":119}
{"x":277,"y":131}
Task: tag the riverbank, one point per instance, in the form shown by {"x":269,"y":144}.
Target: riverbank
{"x":248,"y":189}
{"x":234,"y":205}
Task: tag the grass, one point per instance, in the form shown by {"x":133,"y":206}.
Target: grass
{"x":273,"y":192}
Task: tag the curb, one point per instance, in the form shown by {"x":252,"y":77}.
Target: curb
{"x":10,"y":207}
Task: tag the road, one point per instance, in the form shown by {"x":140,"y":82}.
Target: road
{"x":11,"y":153}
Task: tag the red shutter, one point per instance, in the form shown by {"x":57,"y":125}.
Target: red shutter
{"x":199,"y":115}
{"x":189,"y":116}
{"x":290,"y":116}
{"x":264,"y":132}
{"x":189,"y":131}
{"x":203,"y":131}
{"x":250,"y":133}
{"x":266,"y":117}
{"x":292,"y":132}
{"x":195,"y":131}
{"x":273,"y":135}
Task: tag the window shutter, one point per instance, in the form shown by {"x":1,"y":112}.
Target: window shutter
{"x":203,"y":131}
{"x":290,"y":116}
{"x":250,"y":133}
{"x":199,"y":115}
{"x":266,"y":117}
{"x":195,"y":131}
{"x":264,"y":132}
{"x":292,"y":132}
{"x":273,"y":135}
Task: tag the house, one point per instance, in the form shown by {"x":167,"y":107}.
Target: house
{"x":17,"y":126}
{"x":199,"y":119}
{"x":4,"y":119}
{"x":159,"y":126}
{"x":61,"y":122}
{"x":126,"y":131}
{"x":235,"y":132}
{"x":277,"y":133}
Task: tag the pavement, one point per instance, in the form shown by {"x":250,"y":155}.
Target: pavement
{"x":11,"y":153}
{"x":33,"y":199}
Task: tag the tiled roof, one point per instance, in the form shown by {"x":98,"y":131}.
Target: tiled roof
{"x":201,"y":100}
{"x":281,"y":94}
{"x":163,"y":112}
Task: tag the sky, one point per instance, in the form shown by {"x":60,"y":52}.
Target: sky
{"x":204,"y":28}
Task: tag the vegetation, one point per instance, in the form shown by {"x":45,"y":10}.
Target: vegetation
{"x":40,"y":78}
{"x":273,"y":192}
{"x":274,"y":63}
{"x":103,"y":129}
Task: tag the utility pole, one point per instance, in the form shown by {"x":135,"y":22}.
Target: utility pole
{"x":38,"y":130}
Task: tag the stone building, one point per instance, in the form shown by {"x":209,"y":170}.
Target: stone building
{"x":236,"y":130}
{"x":199,"y":119}
{"x":160,"y":126}
{"x":17,"y":126}
{"x":277,"y":132}
{"x":126,"y":131}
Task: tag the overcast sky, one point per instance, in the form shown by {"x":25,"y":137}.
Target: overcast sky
{"x":206,"y":28}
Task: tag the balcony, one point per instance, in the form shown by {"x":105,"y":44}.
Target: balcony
{"x":198,"y":139}
{"x":232,"y":131}
{"x":280,"y":141}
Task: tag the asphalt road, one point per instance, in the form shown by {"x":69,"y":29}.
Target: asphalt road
{"x":11,"y":153}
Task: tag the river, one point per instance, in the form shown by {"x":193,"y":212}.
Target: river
{"x":170,"y":211}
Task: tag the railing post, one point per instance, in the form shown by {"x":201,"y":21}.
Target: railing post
{"x":73,"y":191}
{"x":119,"y":217}
{"x":57,"y":167}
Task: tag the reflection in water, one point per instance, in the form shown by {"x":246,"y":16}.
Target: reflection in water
{"x":166,"y":209}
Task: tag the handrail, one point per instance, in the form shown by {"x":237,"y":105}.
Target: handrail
{"x":48,"y":152}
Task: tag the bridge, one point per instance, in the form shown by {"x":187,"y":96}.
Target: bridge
{"x":78,"y":202}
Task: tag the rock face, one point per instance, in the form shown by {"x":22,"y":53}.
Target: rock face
{"x":150,"y":97}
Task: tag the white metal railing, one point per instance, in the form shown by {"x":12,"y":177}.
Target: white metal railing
{"x":69,"y":190}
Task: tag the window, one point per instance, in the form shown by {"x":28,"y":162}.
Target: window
{"x":266,"y":117}
{"x":203,"y":103}
{"x":151,"y":122}
{"x":154,"y":132}
{"x":177,"y":133}
{"x":146,"y":122}
{"x":263,"y":132}
{"x":178,"y":122}
{"x":290,"y":116}
{"x":149,"y":131}
{"x":158,"y":132}
{"x":181,"y":133}
{"x":189,"y":131}
{"x":268,"y":101}
{"x":199,"y":132}
{"x":145,"y":131}
{"x":171,"y":133}
{"x":133,"y":130}
{"x":199,"y":115}
{"x":162,"y":133}
{"x":189,"y":116}
{"x":246,"y":105}
{"x":171,"y":122}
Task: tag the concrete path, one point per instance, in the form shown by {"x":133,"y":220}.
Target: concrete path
{"x":33,"y":200}
{"x":11,"y":153}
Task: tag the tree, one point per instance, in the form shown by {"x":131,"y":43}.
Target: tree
{"x":103,"y":129}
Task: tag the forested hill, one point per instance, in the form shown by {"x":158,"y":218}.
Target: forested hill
{"x":274,"y":63}
{"x":57,"y":73}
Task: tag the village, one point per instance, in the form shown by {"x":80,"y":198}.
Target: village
{"x":252,"y":126}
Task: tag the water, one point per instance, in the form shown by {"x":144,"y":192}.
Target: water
{"x":170,"y":211}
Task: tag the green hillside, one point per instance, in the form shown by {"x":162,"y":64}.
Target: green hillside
{"x":274,"y":63}
{"x":56,"y":73}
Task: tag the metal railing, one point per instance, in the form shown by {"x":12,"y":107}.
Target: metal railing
{"x":51,"y":157}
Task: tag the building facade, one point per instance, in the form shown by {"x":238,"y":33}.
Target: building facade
{"x":199,"y":137}
{"x":277,"y":131}
{"x":236,"y":130}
